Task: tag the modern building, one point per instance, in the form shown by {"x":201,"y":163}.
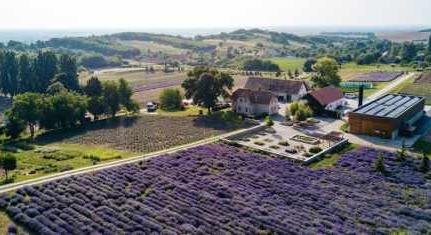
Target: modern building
{"x":325,"y":100}
{"x":388,"y":116}
{"x":252,"y":103}
{"x":285,"y":90}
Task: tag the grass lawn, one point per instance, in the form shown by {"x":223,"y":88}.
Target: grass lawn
{"x":4,"y":223}
{"x":41,"y":160}
{"x":331,"y":159}
{"x":187,"y":112}
{"x":422,"y":146}
{"x":367,"y":92}
{"x":411,"y":88}
{"x":289,"y":63}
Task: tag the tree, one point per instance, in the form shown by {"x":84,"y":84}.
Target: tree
{"x":55,"y":88}
{"x":260,"y":65}
{"x":8,"y":163}
{"x":296,"y":73}
{"x":289,"y":73}
{"x":45,"y":66}
{"x":401,"y":156}
{"x":125,"y":93}
{"x":170,"y":99}
{"x":67,"y":66}
{"x":14,"y":126}
{"x":409,"y":52}
{"x":326,"y":73}
{"x":111,"y":97}
{"x":25,"y":74}
{"x":424,"y":167}
{"x":94,"y":87}
{"x":379,"y":164}
{"x":94,"y":90}
{"x":205,"y":86}
{"x":27,"y":108}
{"x":308,"y":65}
{"x":429,"y":44}
{"x":64,"y":79}
{"x":63,"y":110}
{"x":300,"y":110}
{"x":9,"y":74}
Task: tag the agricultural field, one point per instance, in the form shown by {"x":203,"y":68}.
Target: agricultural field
{"x":148,"y":133}
{"x":351,"y":71}
{"x":377,"y":77}
{"x":221,"y":189}
{"x":148,"y":86}
{"x":405,"y":36}
{"x":420,"y":86}
{"x":109,"y":140}
{"x":289,"y":63}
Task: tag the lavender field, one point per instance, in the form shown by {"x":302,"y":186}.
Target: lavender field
{"x":217,"y":189}
{"x":377,"y":77}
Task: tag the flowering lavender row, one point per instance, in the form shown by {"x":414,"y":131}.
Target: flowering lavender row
{"x":218,"y":189}
{"x":377,"y":77}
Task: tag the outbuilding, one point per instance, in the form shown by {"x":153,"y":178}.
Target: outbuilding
{"x":326,"y":100}
{"x":388,"y":116}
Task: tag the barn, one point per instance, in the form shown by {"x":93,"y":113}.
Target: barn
{"x":388,"y":116}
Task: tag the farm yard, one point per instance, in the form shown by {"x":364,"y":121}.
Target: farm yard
{"x":222,"y":189}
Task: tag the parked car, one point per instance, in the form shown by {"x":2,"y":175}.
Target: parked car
{"x":151,"y":107}
{"x":350,"y":96}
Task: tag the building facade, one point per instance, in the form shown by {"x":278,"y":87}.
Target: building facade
{"x":253,"y":103}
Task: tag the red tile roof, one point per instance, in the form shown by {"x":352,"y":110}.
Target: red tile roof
{"x":327,"y":95}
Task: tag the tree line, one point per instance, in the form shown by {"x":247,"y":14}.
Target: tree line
{"x":46,"y":93}
{"x":24,"y":72}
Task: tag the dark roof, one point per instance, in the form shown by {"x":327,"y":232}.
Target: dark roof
{"x":255,"y":97}
{"x":389,"y":106}
{"x":327,"y":95}
{"x":274,"y":85}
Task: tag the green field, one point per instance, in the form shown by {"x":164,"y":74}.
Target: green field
{"x":350,"y":71}
{"x":411,"y":88}
{"x":367,"y":92}
{"x":289,"y":63}
{"x":331,"y":159}
{"x":36,"y":160}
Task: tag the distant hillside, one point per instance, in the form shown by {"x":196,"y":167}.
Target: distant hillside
{"x":229,"y":49}
{"x":425,"y":30}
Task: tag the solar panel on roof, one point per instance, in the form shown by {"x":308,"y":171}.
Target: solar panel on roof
{"x":397,"y":112}
{"x":366,"y":108}
{"x":403,"y":101}
{"x":392,"y":101}
{"x":376,"y":110}
{"x":384,"y":99}
{"x":386,"y":110}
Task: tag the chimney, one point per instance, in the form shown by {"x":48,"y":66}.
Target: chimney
{"x":361,"y":96}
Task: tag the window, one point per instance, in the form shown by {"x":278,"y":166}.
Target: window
{"x":246,"y":110}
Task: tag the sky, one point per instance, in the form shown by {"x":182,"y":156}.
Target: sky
{"x":135,"y":14}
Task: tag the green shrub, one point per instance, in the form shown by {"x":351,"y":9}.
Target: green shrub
{"x":269,"y":121}
{"x":170,"y":99}
{"x":379,"y":164}
{"x":315,"y":150}
{"x":424,"y":167}
{"x":259,"y":143}
{"x":283,"y":143}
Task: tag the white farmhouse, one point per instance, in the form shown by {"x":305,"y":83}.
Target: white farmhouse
{"x":285,"y":90}
{"x":252,"y":103}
